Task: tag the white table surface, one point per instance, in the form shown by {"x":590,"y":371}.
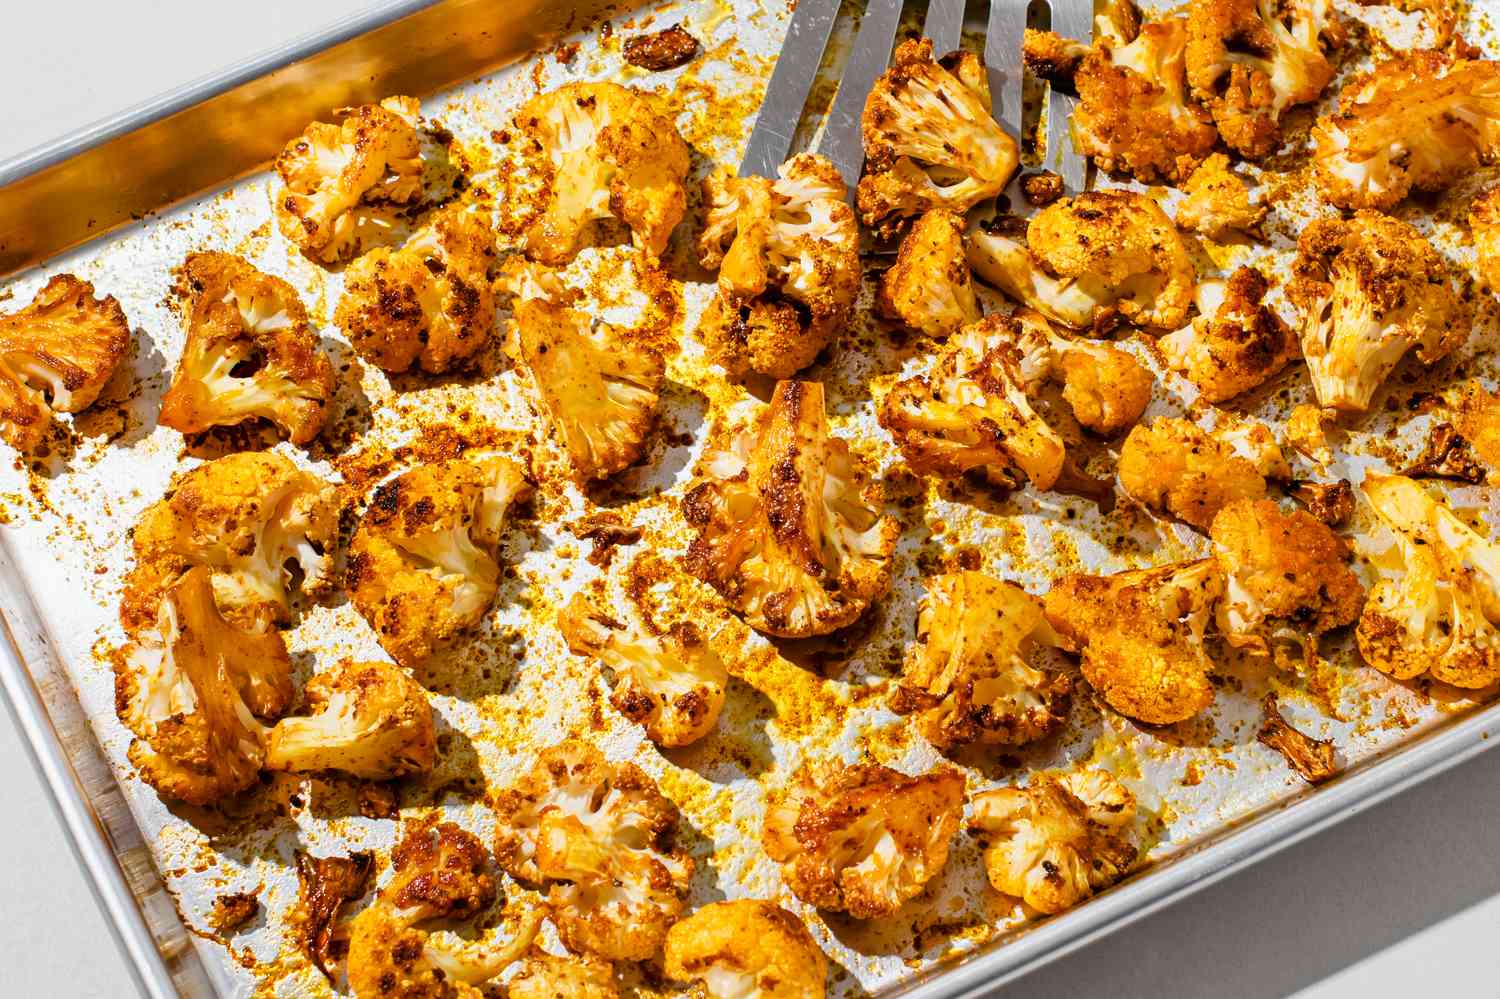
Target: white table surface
{"x":1404,"y":899}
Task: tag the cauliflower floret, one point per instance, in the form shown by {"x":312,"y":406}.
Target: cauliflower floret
{"x":598,"y":388}
{"x":366,"y":719}
{"x":671,"y":682}
{"x":929,"y":288}
{"x":1370,"y":288}
{"x":1236,"y":345}
{"x":1251,"y":60}
{"x":968,"y":676}
{"x":1133,"y":112}
{"x":429,"y":303}
{"x":1439,"y":617}
{"x":1217,"y":202}
{"x":600,"y":833}
{"x":787,"y":252}
{"x":259,"y":523}
{"x":422,"y":567}
{"x":330,"y":171}
{"x":1479,"y":423}
{"x":1140,"y":634}
{"x":250,"y":353}
{"x":971,"y":412}
{"x":867,"y":840}
{"x":1175,"y":467}
{"x":546,"y":976}
{"x":55,"y":355}
{"x":1090,"y":260}
{"x":747,"y":949}
{"x":190,"y":688}
{"x":1484,"y":226}
{"x":1284,"y":575}
{"x":930,"y":139}
{"x":790,"y":524}
{"x":1106,"y":388}
{"x":600,"y":150}
{"x":1058,"y":840}
{"x":324,"y":886}
{"x":1419,"y":120}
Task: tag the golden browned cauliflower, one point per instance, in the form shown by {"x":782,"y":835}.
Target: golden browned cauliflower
{"x":55,"y":356}
{"x":1239,"y":343}
{"x":329,"y":171}
{"x":1251,"y":60}
{"x":598,"y":387}
{"x":601,"y":151}
{"x":547,"y":976}
{"x":1484,"y":226}
{"x":1091,"y":260}
{"x":1056,"y":841}
{"x":787,"y":253}
{"x":1140,"y":634}
{"x":1106,"y":388}
{"x":422,"y":567}
{"x":367,"y":719}
{"x":930,"y":139}
{"x":190,"y":687}
{"x":250,"y":353}
{"x":971,"y":412}
{"x":600,"y":834}
{"x":866,"y":839}
{"x":324,"y":886}
{"x":929,"y":288}
{"x":1133,"y":114}
{"x":262,"y":526}
{"x":1370,"y":288}
{"x":1418,"y":120}
{"x":1439,"y":616}
{"x":1479,"y":423}
{"x":1284,"y":576}
{"x":747,"y":949}
{"x":670,"y":681}
{"x":791,"y":527}
{"x":428,"y":303}
{"x":1175,"y":467}
{"x":968,"y":677}
{"x":1217,"y":202}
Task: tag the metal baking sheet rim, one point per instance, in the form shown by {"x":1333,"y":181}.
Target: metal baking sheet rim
{"x":85,"y":791}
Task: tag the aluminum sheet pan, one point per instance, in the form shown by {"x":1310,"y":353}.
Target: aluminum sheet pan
{"x":1211,"y":797}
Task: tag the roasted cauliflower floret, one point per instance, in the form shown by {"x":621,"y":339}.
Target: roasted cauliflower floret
{"x":190,"y":688}
{"x":1217,"y":202}
{"x":790,"y":524}
{"x":867,"y":840}
{"x":1251,"y":60}
{"x":1479,"y":423}
{"x":422,"y":567}
{"x":929,"y":288}
{"x":671,"y":682}
{"x":1440,"y":616}
{"x":250,"y":353}
{"x":1419,"y":120}
{"x":1238,"y":344}
{"x":324,"y":886}
{"x":547,"y":976}
{"x":598,"y":388}
{"x":747,"y":949}
{"x":366,"y":719}
{"x":968,"y":677}
{"x":55,"y":356}
{"x":1285,"y":575}
{"x":429,"y":303}
{"x":1370,"y":288}
{"x":930,"y":139}
{"x":600,"y":833}
{"x":1175,"y":467}
{"x":1484,"y":226}
{"x":1091,"y":260}
{"x":260,"y":524}
{"x":971,"y":412}
{"x":1133,"y":112}
{"x":1106,"y":388}
{"x":787,"y":253}
{"x":601,"y":151}
{"x":1058,"y":840}
{"x":329,"y":171}
{"x":1140,"y":635}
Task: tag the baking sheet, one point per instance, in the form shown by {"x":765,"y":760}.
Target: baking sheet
{"x":516,"y":688}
